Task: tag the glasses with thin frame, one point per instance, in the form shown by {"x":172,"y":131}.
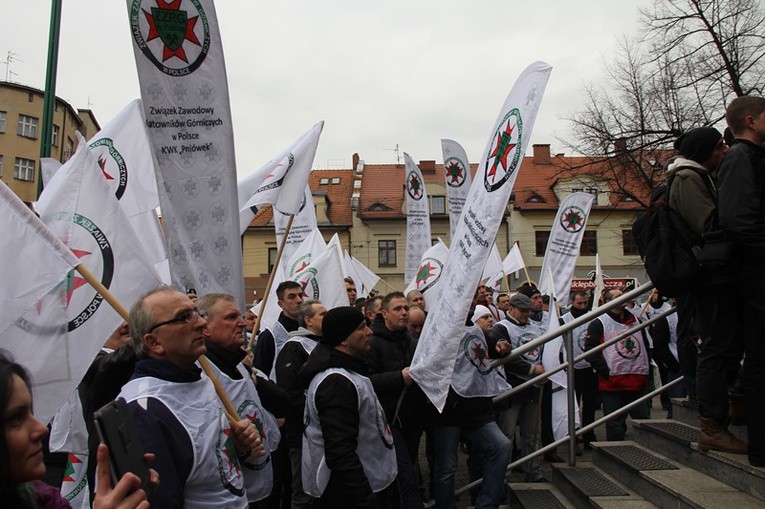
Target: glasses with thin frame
{"x":185,"y":317}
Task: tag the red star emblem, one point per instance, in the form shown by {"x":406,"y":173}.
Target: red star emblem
{"x":73,"y":281}
{"x":175,"y":49}
{"x":479,"y":353}
{"x":424,"y":273}
{"x":102,"y":165}
{"x":502,"y":150}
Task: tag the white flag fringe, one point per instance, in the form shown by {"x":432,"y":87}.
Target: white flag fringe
{"x":434,"y":358}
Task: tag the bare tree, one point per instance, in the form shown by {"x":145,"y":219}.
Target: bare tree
{"x":691,"y":58}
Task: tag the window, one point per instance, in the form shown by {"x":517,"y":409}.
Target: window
{"x":386,"y":253}
{"x":323,"y":181}
{"x":24,"y":169}
{"x":540,"y":240}
{"x":438,"y":204}
{"x":629,"y":246}
{"x":3,"y":121}
{"x":272,"y":252}
{"x":54,"y":138}
{"x":27,"y":126}
{"x":335,"y":180}
{"x":69,"y":150}
{"x":589,"y":245}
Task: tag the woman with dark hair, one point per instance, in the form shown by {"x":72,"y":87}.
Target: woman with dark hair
{"x":21,"y":457}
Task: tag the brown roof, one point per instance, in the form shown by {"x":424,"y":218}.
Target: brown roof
{"x":338,"y":195}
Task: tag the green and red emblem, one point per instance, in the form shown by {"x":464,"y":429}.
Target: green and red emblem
{"x":628,"y":348}
{"x":307,"y":281}
{"x":173,"y":35}
{"x":415,"y":186}
{"x":455,"y":172}
{"x":475,"y":351}
{"x":428,"y":274}
{"x":572,"y":219}
{"x":112,"y":165}
{"x":229,"y":468}
{"x":504,"y":153}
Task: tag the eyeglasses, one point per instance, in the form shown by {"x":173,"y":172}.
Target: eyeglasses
{"x":186,"y":317}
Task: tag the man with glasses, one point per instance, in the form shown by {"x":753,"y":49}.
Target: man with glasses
{"x":176,"y":411}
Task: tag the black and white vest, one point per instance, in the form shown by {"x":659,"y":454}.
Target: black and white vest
{"x":473,"y":375}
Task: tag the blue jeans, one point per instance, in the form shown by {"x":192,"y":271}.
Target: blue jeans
{"x":489,"y":444}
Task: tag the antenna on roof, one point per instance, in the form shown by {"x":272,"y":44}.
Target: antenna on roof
{"x":398,"y":153}
{"x":10,"y":57}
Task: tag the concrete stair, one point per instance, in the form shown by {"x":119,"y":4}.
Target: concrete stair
{"x":538,"y":495}
{"x":688,"y":412}
{"x":585,"y":485}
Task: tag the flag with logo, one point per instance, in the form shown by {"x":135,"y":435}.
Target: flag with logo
{"x":282,"y":180}
{"x":457,"y":178}
{"x":417,"y":217}
{"x":429,"y":272}
{"x":551,"y":358}
{"x":69,"y":435}
{"x":184,"y":91}
{"x":513,"y":262}
{"x":33,"y":262}
{"x":368,"y":279}
{"x":303,"y":224}
{"x":323,"y":280}
{"x":433,"y":361}
{"x":71,"y":323}
{"x":563,"y":246}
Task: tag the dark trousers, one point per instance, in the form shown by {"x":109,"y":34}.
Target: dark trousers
{"x":616,"y":428}
{"x":722,"y":345}
{"x":586,"y":388}
{"x":406,"y":442}
{"x":687,"y":348}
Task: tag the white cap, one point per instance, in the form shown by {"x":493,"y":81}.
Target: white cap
{"x":480,"y":311}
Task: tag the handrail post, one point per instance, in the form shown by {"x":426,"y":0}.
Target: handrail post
{"x":568,"y":341}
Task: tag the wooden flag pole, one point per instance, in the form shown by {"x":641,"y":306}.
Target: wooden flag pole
{"x":256,"y":327}
{"x":123,"y":312}
{"x":528,"y":279}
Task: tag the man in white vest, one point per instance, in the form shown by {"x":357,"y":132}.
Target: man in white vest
{"x":177,"y":412}
{"x":225,"y":339}
{"x":271,"y":339}
{"x":622,"y":368}
{"x":291,"y":358}
{"x":348,"y":454}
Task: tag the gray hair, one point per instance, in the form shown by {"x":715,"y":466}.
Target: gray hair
{"x":208,"y":301}
{"x":141,"y":319}
{"x":306,"y":311}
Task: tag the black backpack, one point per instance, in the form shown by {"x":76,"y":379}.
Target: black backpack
{"x":665,"y":243}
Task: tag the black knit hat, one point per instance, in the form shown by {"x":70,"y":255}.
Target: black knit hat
{"x":698,"y":144}
{"x":528,"y":290}
{"x":339,"y":323}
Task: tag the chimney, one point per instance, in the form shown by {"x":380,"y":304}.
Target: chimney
{"x":355,"y":160}
{"x":428,"y":167}
{"x":542,"y":154}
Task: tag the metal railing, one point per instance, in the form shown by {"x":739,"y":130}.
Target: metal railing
{"x":567,"y":331}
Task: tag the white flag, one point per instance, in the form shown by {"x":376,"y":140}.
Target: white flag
{"x":513,"y":262}
{"x":48,"y":168}
{"x":323,"y":280}
{"x":433,"y":361}
{"x":303,"y":223}
{"x":599,"y":283}
{"x":417,"y":217}
{"x":71,"y":323}
{"x":368,"y":279}
{"x":182,"y":75}
{"x":282,"y":180}
{"x":558,"y":381}
{"x":429,"y":272}
{"x":33,"y":261}
{"x":493,"y":264}
{"x":458,"y":179}
{"x":563,"y":246}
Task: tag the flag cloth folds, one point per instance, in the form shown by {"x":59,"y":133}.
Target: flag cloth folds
{"x":71,"y":323}
{"x":563,"y":246}
{"x":323,"y":280}
{"x":600,"y":286}
{"x":429,"y":272}
{"x":434,"y":360}
{"x":458,"y":179}
{"x":303,"y":224}
{"x":417,"y":217}
{"x":282,"y":180}
{"x":367,"y":279}
{"x":493,"y":263}
{"x":513,"y":262}
{"x":33,"y":262}
{"x":182,"y":76}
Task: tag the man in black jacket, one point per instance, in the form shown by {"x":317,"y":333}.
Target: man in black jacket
{"x":389,"y":356}
{"x":741,"y":193}
{"x":272,"y":338}
{"x":348,"y":456}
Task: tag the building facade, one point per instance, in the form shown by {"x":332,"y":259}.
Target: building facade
{"x":21,"y":111}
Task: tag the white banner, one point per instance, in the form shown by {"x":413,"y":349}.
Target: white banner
{"x":563,"y":246}
{"x":182,"y":76}
{"x":457,"y":177}
{"x":281,"y":180}
{"x":71,"y":323}
{"x":303,"y":224}
{"x":434,"y":360}
{"x":417,"y":217}
{"x":368,"y":279}
{"x":429,"y":272}
{"x":323,"y":280}
{"x":513,"y":262}
{"x":493,"y":264}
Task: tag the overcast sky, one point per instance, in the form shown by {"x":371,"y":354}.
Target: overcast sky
{"x":380,"y":74}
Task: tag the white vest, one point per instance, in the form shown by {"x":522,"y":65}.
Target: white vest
{"x":281,"y":336}
{"x":258,"y":472}
{"x":522,"y":334}
{"x":215,"y":480}
{"x":473,"y":375}
{"x":374,"y":441}
{"x":625,"y":357}
{"x":308,"y":344}
{"x":578,"y":337}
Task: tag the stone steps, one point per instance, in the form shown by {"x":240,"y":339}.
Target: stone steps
{"x":688,"y":412}
{"x":587,"y":486}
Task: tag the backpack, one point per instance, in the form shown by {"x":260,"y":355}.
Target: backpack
{"x":665,"y":243}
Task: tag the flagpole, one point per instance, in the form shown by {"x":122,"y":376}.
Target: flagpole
{"x":528,"y":279}
{"x":49,"y":96}
{"x":123,"y":312}
{"x":256,"y":327}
